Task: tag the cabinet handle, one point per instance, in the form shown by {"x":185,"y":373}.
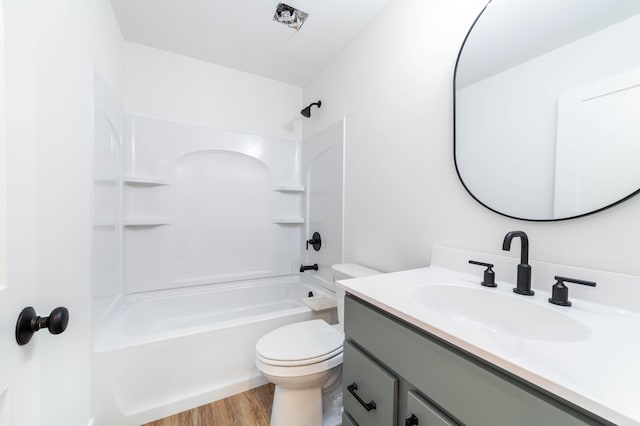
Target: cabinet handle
{"x":352,"y":388}
{"x":411,"y":421}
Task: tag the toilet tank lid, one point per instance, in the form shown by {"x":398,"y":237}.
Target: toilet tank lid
{"x":354,"y":270}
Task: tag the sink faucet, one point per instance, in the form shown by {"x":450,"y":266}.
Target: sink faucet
{"x":523,"y":285}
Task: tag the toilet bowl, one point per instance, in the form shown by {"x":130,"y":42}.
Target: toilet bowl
{"x":304,"y":361}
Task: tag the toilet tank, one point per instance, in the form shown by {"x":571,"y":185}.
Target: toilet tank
{"x":344,"y":271}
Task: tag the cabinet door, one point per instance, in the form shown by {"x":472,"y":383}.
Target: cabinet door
{"x":421,"y":413}
{"x":347,"y":421}
{"x":370,"y":391}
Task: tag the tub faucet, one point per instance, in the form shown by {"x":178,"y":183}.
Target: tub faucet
{"x":523,"y":285}
{"x":309,"y":267}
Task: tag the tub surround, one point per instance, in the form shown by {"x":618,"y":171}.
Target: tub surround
{"x":594,"y":368}
{"x":167,"y":212}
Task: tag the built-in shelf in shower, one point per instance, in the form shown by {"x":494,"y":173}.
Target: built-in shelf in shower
{"x":146,"y":181}
{"x":288,"y":220}
{"x":146,"y":221}
{"x":288,"y":188}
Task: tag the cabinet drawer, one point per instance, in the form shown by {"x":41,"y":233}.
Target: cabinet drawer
{"x":373,"y":385}
{"x":468,"y":389}
{"x":346,"y":420}
{"x":423,"y":413}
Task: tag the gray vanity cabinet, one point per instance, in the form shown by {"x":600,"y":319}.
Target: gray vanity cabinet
{"x":371,"y":391}
{"x":407,"y":371}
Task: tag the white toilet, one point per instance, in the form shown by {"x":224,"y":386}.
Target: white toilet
{"x":304,"y":361}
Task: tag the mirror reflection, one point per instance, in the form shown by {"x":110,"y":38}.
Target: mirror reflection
{"x":547,"y":107}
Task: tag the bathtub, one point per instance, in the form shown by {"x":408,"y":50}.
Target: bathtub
{"x":159,"y":353}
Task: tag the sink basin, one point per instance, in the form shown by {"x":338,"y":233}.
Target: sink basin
{"x":500,"y":312}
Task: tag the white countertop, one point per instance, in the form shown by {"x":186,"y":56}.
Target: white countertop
{"x":600,"y":373}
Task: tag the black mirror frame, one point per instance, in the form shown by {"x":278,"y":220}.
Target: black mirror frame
{"x":455,"y":161}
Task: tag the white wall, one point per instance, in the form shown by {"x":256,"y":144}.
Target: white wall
{"x":172,"y":87}
{"x":52,"y":48}
{"x":393,"y":84}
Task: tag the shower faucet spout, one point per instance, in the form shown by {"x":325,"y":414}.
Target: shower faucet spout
{"x":309,"y":267}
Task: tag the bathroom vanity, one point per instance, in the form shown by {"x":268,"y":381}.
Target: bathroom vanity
{"x":409,"y":373}
{"x":418,"y":352}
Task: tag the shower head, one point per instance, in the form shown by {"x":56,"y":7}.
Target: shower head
{"x":306,"y":112}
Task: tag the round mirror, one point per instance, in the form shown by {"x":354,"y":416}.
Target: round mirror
{"x":547,"y":107}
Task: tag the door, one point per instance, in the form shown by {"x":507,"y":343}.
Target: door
{"x":597,"y":145}
{"x":45,"y":210}
{"x":19,"y":367}
{"x":4,"y":308}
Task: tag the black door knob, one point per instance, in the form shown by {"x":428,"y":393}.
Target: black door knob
{"x":28,"y":323}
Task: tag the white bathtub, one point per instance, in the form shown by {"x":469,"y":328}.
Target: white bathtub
{"x":160,"y":353}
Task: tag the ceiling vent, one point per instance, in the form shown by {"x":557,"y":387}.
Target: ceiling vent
{"x":290,"y":16}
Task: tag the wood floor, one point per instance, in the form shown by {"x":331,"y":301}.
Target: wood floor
{"x":251,"y":408}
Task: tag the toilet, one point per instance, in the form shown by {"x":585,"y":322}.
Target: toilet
{"x":304,"y":361}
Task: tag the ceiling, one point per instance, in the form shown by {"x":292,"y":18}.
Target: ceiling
{"x":241,"y":34}
{"x":512,"y":32}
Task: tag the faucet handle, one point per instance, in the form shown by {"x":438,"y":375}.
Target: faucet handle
{"x":315,"y":241}
{"x":560,"y":292}
{"x":489,"y":276}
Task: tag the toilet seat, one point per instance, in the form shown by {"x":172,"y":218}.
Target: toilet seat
{"x":298,"y":363}
{"x":303,"y":343}
{"x":299,"y":349}
{"x":300,"y":370}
